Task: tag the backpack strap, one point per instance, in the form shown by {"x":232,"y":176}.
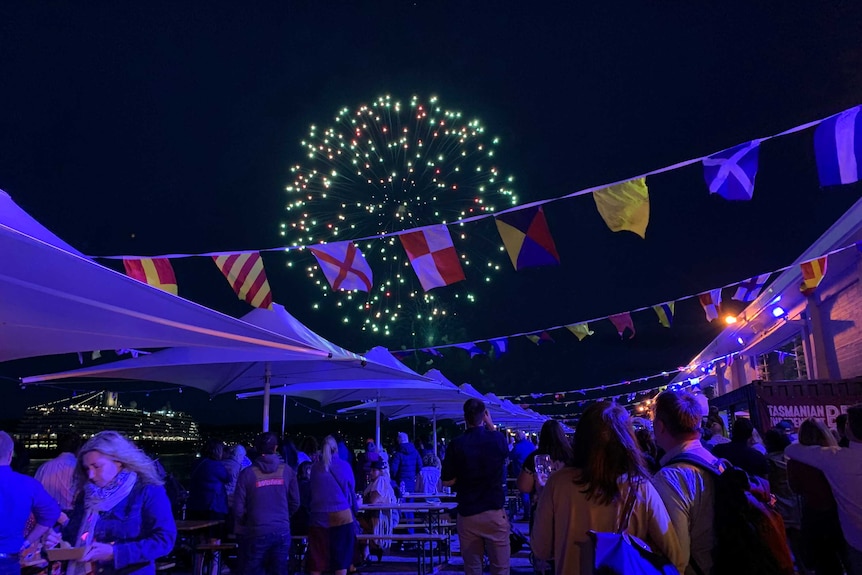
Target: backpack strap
{"x":716,"y":469}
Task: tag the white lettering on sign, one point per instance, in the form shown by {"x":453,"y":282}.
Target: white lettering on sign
{"x":798,"y":413}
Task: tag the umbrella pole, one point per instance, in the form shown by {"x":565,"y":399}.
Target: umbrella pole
{"x":283,"y":413}
{"x":377,"y":424}
{"x":434,"y":429}
{"x":266,"y":378}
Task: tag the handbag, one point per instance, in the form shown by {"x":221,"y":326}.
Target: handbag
{"x":620,"y":553}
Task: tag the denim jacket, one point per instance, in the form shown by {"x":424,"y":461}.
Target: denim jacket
{"x":141,"y":527}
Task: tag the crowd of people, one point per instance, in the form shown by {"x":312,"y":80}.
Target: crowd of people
{"x":662,"y":481}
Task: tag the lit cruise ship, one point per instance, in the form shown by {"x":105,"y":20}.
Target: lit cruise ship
{"x":161,"y":431}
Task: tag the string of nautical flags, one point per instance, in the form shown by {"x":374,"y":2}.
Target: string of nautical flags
{"x":564,"y":399}
{"x":523,"y":229}
{"x":813,"y":271}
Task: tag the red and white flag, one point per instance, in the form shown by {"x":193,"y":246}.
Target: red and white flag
{"x":711,"y":303}
{"x":433,"y":256}
{"x":247,"y":277}
{"x":344,"y":266}
{"x":154,"y":271}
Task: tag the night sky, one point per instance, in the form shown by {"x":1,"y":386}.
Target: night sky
{"x":163,"y":127}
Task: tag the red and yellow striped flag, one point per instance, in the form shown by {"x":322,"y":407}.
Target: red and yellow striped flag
{"x":812,"y":274}
{"x":154,"y":271}
{"x":247,"y":277}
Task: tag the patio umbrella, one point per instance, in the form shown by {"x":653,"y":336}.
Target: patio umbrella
{"x":444,"y":403}
{"x":404,"y":385}
{"x":226,"y":370}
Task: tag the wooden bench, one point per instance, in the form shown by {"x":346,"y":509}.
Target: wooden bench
{"x":424,"y":555}
{"x":208,"y":557}
{"x":446,"y":526}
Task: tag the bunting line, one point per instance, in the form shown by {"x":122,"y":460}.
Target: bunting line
{"x":596,"y":319}
{"x":476,"y":218}
{"x":694,"y":380}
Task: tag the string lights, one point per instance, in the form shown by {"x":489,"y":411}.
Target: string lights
{"x":777,"y":312}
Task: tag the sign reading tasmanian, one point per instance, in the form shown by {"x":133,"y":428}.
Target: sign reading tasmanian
{"x":800,"y":412}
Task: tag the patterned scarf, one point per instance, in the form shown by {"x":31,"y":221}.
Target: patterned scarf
{"x":97,"y":500}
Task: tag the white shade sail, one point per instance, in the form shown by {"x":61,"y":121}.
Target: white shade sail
{"x":227,"y":370}
{"x":54,"y":300}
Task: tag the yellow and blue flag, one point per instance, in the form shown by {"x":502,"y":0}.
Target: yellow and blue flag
{"x":665,"y":313}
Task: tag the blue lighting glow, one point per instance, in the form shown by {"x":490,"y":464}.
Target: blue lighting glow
{"x":778,"y":311}
{"x":740,"y":341}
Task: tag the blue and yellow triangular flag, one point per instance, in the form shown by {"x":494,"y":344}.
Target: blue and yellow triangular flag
{"x":665,"y":313}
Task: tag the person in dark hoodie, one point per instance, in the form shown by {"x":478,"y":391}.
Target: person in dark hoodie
{"x":405,"y":464}
{"x":266,"y":495}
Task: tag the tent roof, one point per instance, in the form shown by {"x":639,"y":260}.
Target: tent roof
{"x":54,"y":300}
{"x":448,"y":403}
{"x":404,"y":385}
{"x":225,"y":370}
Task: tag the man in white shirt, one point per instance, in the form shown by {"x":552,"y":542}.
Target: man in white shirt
{"x":842,"y":467}
{"x":688,"y":491}
{"x":57,"y":476}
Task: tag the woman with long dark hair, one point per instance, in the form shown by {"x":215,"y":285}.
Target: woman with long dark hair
{"x":553,"y":443}
{"x":606,"y":466}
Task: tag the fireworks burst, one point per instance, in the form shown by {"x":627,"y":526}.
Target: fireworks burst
{"x":387,"y":167}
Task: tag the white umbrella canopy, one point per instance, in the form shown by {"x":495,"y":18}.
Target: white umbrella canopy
{"x":227,"y":370}
{"x":402,"y":384}
{"x":513,"y":416}
{"x":54,"y":300}
{"x":445,"y":404}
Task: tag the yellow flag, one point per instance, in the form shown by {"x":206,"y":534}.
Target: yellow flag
{"x":625,"y":206}
{"x":581,"y":330}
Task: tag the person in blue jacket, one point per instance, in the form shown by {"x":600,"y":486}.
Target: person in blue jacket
{"x":122,"y":515}
{"x":20,"y":496}
{"x":208,"y":486}
{"x":517,"y":456}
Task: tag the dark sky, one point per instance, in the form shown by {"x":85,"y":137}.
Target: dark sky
{"x":157,"y":127}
